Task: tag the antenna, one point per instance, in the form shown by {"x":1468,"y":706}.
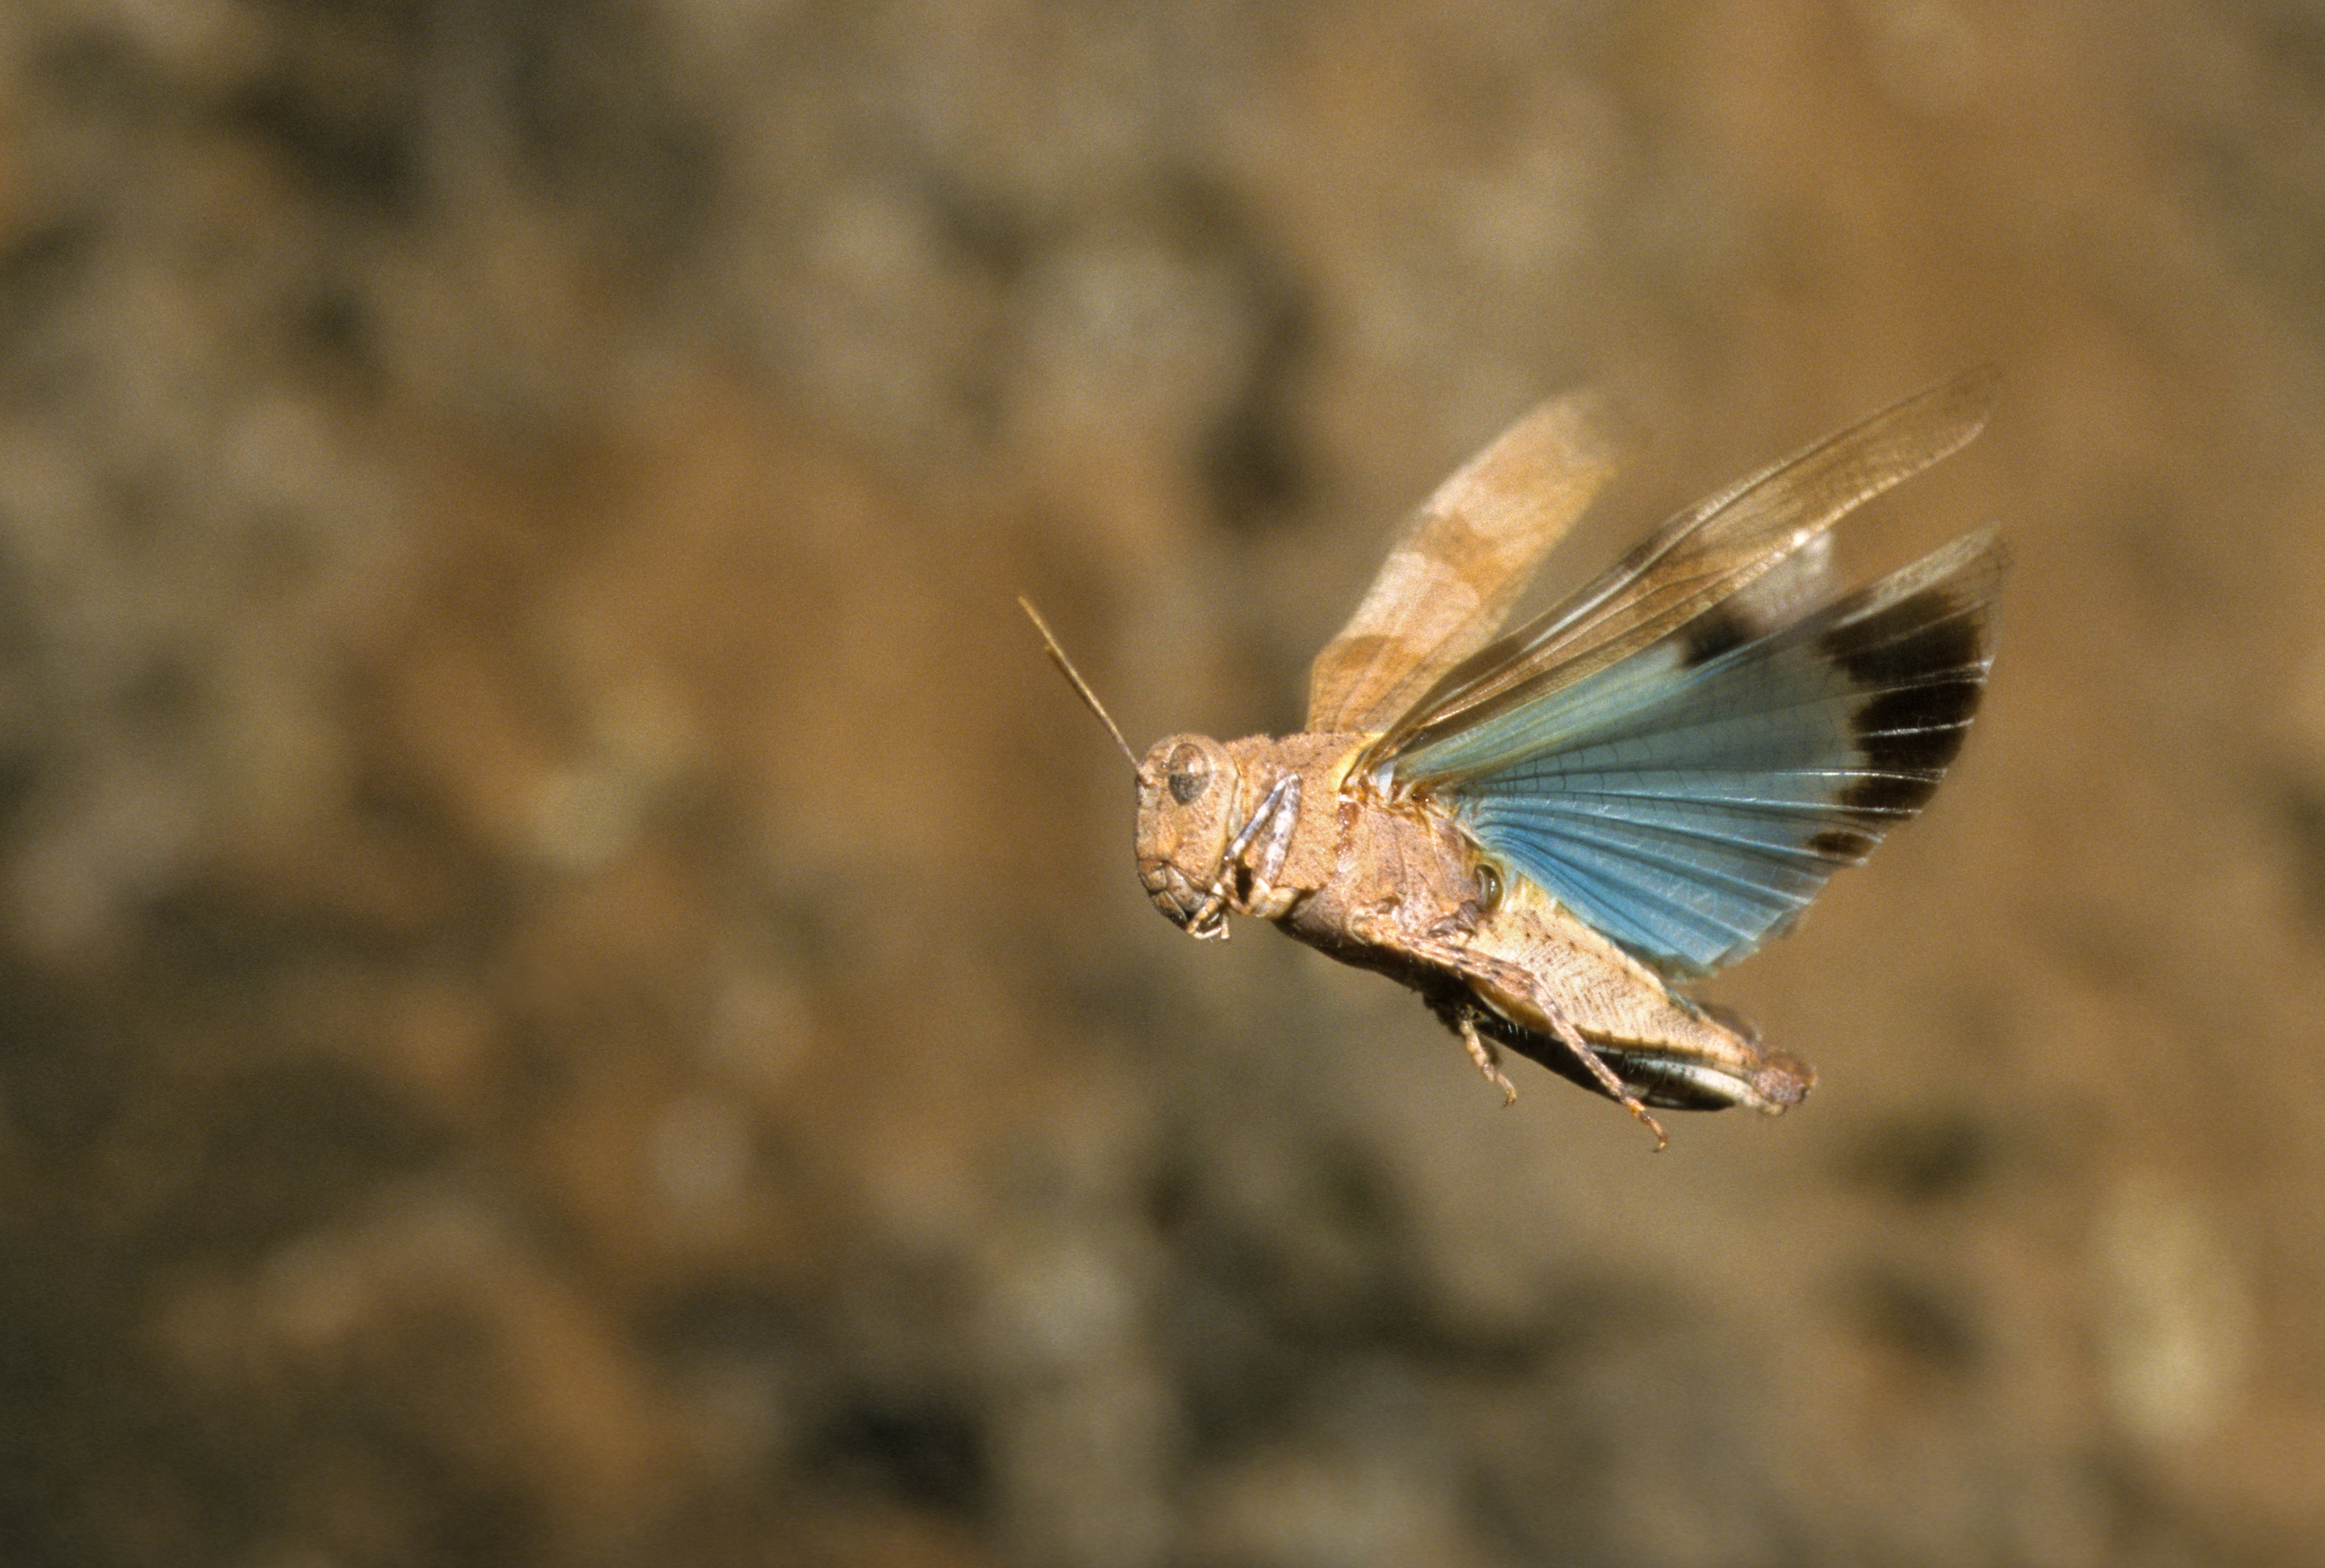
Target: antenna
{"x":1066,"y":668}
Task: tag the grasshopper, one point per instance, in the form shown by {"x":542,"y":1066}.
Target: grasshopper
{"x":1545,"y":833}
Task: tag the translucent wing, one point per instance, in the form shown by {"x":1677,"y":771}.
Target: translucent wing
{"x":1460,"y":562}
{"x":1690,"y":807}
{"x":1690,"y":573}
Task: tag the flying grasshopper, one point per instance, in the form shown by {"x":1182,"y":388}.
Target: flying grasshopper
{"x":1544,"y":832}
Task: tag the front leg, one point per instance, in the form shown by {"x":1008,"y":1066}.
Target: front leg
{"x":1263,"y":898}
{"x":1271,"y":826}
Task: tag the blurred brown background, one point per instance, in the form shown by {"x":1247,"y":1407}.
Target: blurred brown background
{"x":571,"y":987}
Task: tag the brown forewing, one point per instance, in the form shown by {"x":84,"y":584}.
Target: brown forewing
{"x":1462,"y":560}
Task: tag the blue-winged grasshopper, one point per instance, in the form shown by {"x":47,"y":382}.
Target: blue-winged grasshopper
{"x":1542,"y":833}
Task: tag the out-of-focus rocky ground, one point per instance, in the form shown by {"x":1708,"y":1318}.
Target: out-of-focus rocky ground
{"x":571,"y":989}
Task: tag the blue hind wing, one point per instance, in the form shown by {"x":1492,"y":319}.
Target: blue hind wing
{"x":1690,"y":803}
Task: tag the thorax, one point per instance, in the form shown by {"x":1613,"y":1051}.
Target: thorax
{"x":1353,"y":850}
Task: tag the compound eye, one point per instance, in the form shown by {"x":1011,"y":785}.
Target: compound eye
{"x":1189,"y":774}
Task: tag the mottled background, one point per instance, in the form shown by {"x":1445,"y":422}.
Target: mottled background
{"x":571,"y":987}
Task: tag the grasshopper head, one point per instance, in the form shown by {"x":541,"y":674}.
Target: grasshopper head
{"x":1188,"y":791}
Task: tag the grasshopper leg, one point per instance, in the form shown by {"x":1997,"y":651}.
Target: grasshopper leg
{"x":1479,"y":969}
{"x":1488,"y":1057}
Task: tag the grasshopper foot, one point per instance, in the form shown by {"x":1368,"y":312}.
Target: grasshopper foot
{"x":1482,"y":1051}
